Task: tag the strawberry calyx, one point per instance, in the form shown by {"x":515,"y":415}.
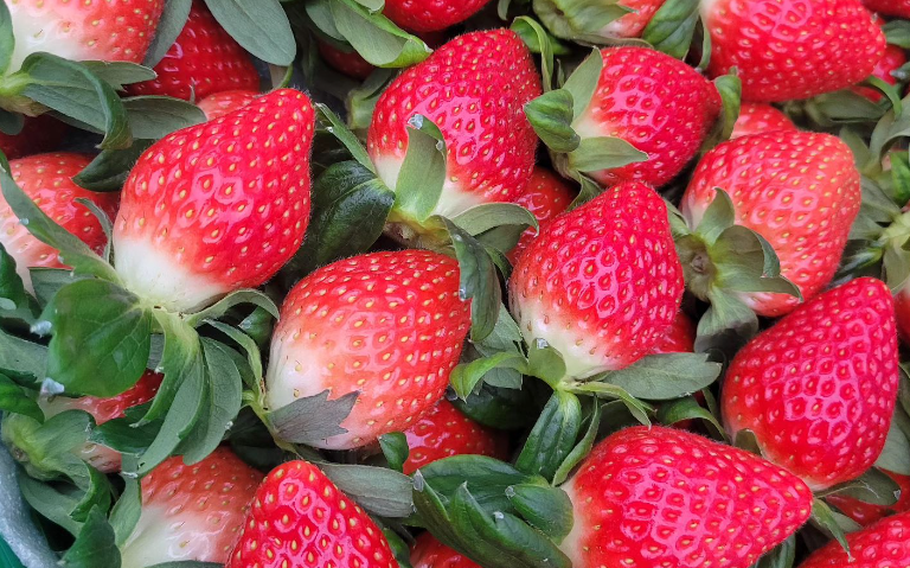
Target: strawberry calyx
{"x":579,"y":20}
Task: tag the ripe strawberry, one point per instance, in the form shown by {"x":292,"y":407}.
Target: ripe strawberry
{"x":546,"y":196}
{"x":633,"y":24}
{"x":658,"y":104}
{"x":898,"y":8}
{"x":766,"y":40}
{"x":444,"y":432}
{"x":109,"y":30}
{"x":350,"y":63}
{"x":219,"y":104}
{"x":603,"y":284}
{"x":799,"y":190}
{"x":299,"y":518}
{"x":893,"y":59}
{"x":191,"y":512}
{"x":818,"y":389}
{"x":653,"y":497}
{"x":576,"y":19}
{"x":47,"y":180}
{"x":40,"y":134}
{"x":389,"y":325}
{"x":902,"y":311}
{"x":867,"y":513}
{"x":885,"y":544}
{"x":474,"y":88}
{"x":760,"y":118}
{"x":432,"y":15}
{"x":680,"y":338}
{"x":217,"y":206}
{"x":428,"y":552}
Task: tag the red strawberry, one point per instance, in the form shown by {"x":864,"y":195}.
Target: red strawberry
{"x":474,"y":88}
{"x":603,"y":284}
{"x":680,"y":338}
{"x":760,"y":118}
{"x":217,"y":206}
{"x":204,"y":59}
{"x":109,"y":30}
{"x":885,"y":544}
{"x":792,"y":49}
{"x":546,"y":196}
{"x":219,"y":104}
{"x":428,"y":552}
{"x":577,"y":19}
{"x":431,"y":15}
{"x":902,"y":310}
{"x":299,"y":518}
{"x":191,"y":512}
{"x":350,"y":62}
{"x":47,"y":180}
{"x":899,"y":8}
{"x":40,"y":134}
{"x":389,"y":325}
{"x":867,"y":513}
{"x":655,"y":497}
{"x":818,"y":389}
{"x":799,"y":190}
{"x":658,"y":104}
{"x":444,"y":432}
{"x":632,"y":24}
{"x":893,"y":59}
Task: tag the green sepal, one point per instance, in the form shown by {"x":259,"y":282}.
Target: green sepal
{"x":730,"y":88}
{"x":833,"y":523}
{"x":14,"y":399}
{"x":889,"y":129}
{"x":96,"y":545}
{"x":22,"y":359}
{"x":360,"y":101}
{"x":118,"y":74}
{"x":109,"y":169}
{"x":154,"y":117}
{"x":604,"y":153}
{"x":505,"y":338}
{"x":545,"y":363}
{"x":582,"y":448}
{"x":580,"y":20}
{"x":546,"y":508}
{"x":423,"y":171}
{"x":379,"y":490}
{"x":485,"y":217}
{"x":843,"y":107}
{"x":688,"y":408}
{"x":259,"y":26}
{"x":173,"y":18}
{"x":582,"y":83}
{"x":311,"y":419}
{"x":394,"y":446}
{"x":466,"y":377}
{"x":665,"y":376}
{"x":539,"y":41}
{"x":672,"y":28}
{"x":639,"y":410}
{"x":874,"y":487}
{"x":11,"y":124}
{"x":125,"y":514}
{"x":783,"y":555}
{"x":551,"y":115}
{"x":336,"y":127}
{"x":553,"y":436}
{"x":895,"y":455}
{"x":374,"y":36}
{"x":7,"y":39}
{"x":15,"y":302}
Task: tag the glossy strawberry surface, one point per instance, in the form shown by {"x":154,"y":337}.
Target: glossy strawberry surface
{"x":893,"y":59}
{"x":431,"y":15}
{"x":219,"y":104}
{"x":428,"y":552}
{"x":546,"y":196}
{"x":760,"y":118}
{"x":885,"y":544}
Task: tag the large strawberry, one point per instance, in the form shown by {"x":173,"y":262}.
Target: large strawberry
{"x":893,"y":59}
{"x":217,"y":206}
{"x":599,"y":21}
{"x":474,"y":88}
{"x":39,"y":134}
{"x":680,"y":337}
{"x":603,"y":284}
{"x":191,"y":512}
{"x":204,"y":59}
{"x":428,"y":552}
{"x":219,"y":104}
{"x":432,"y":15}
{"x":300,"y":518}
{"x":885,"y":544}
{"x":546,"y":196}
{"x":760,"y":118}
{"x":899,"y":8}
{"x":47,"y":180}
{"x":867,"y":513}
{"x":818,"y":389}
{"x":389,"y":325}
{"x":792,"y":49}
{"x":654,"y":497}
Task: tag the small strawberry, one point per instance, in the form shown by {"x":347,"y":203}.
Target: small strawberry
{"x":898,"y":8}
{"x":603,"y":284}
{"x":760,"y":118}
{"x":47,"y":180}
{"x":546,"y":196}
{"x":575,"y":19}
{"x":680,"y":338}
{"x":893,"y":59}
{"x":474,"y":88}
{"x":444,"y":431}
{"x":217,"y":206}
{"x":350,"y":62}
{"x":299,"y":518}
{"x":792,"y":49}
{"x":389,"y":325}
{"x":818,"y":389}
{"x":655,"y":497}
{"x":432,"y":15}
{"x":867,"y":513}
{"x":885,"y":544}
{"x":38,"y":135}
{"x":191,"y":512}
{"x":428,"y":552}
{"x":219,"y":104}
{"x":204,"y":59}
{"x":798,"y":190}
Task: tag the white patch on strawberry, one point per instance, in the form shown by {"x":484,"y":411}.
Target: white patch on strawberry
{"x":160,"y":538}
{"x":47,"y":32}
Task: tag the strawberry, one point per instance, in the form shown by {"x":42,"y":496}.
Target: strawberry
{"x":893,"y":59}
{"x":108,"y":30}
{"x":546,"y":196}
{"x":389,"y":325}
{"x":799,"y":190}
{"x":867,"y":513}
{"x":680,"y":338}
{"x":633,"y":24}
{"x":654,"y":497}
{"x":902,"y":311}
{"x":658,"y":104}
{"x":578,"y":287}
{"x":443,"y":432}
{"x":898,"y":8}
{"x":191,"y":512}
{"x":885,"y":544}
{"x":47,"y":180}
{"x":300,"y":518}
{"x":350,"y":62}
{"x":584,"y":21}
{"x":217,"y":206}
{"x":474,"y":88}
{"x":792,"y":49}
{"x":818,"y":389}
{"x":219,"y":104}
{"x":432,"y":15}
{"x":204,"y":59}
{"x":428,"y":552}
{"x":759,"y":118}
{"x":39,"y":134}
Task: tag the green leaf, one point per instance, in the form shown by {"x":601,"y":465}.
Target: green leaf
{"x":375,"y":37}
{"x":7,"y":40}
{"x":125,"y":514}
{"x":637,"y":408}
{"x":666,"y":376}
{"x":361,"y":101}
{"x":50,"y":503}
{"x":672,"y":27}
{"x":583,"y":82}
{"x":181,"y":358}
{"x":545,"y":363}
{"x":896,"y":454}
{"x":539,"y":41}
{"x":337,"y":128}
{"x":109,"y":169}
{"x":423,"y":171}
{"x":14,"y":301}
{"x":688,"y":408}
{"x":580,"y":20}
{"x":546,"y":508}
{"x":253,"y":355}
{"x":394,"y":446}
{"x":23,"y":359}
{"x":95,"y":547}
{"x":466,"y":376}
{"x":117,"y":74}
{"x":312,"y":419}
{"x":874,"y":487}
{"x":501,"y":408}
{"x":581,"y":449}
{"x":900,"y":177}
{"x":11,"y":123}
{"x":479,"y":281}
{"x":604,"y":153}
{"x":727,"y":324}
{"x":487,"y":478}
{"x":169,"y":27}
{"x":890,"y":128}
{"x":730,"y":88}
{"x":553,"y":436}
{"x":505,"y":338}
{"x":783,"y":556}
{"x":259,"y":26}
{"x":235,"y":298}
{"x":379,"y":490}
{"x":551,"y":115}
{"x":825,"y":518}
{"x":14,"y":399}
{"x":154,"y":117}
{"x":481,"y":218}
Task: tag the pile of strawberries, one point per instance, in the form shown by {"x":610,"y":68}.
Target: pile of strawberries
{"x":457,"y":283}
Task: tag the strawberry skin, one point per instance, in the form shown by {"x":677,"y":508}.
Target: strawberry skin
{"x":217,"y":206}
{"x":204,"y":59}
{"x":39,"y":134}
{"x":799,"y":190}
{"x":300,"y":518}
{"x":654,"y":497}
{"x":658,"y":104}
{"x":350,"y":63}
{"x":576,"y":287}
{"x":191,"y":512}
{"x":546,"y":196}
{"x":219,"y":104}
{"x":792,"y":49}
{"x":431,"y":15}
{"x":47,"y":180}
{"x":389,"y":325}
{"x":759,"y":118}
{"x":474,"y":89}
{"x":428,"y":552}
{"x":899,"y":8}
{"x":893,"y":59}
{"x":818,"y":389}
{"x":867,"y":513}
{"x":885,"y":544}
{"x":680,"y":338}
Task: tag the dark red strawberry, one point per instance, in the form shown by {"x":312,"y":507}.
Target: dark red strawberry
{"x":760,"y":118}
{"x":40,"y":134}
{"x":885,"y":544}
{"x":899,"y":8}
{"x":867,"y":513}
{"x":219,"y":104}
{"x":680,"y":338}
{"x":430,"y":15}
{"x":893,"y":59}
{"x":546,"y":196}
{"x":350,"y":62}
{"x":818,"y":389}
{"x":428,"y":552}
{"x":217,"y":206}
